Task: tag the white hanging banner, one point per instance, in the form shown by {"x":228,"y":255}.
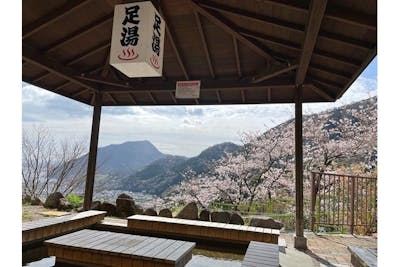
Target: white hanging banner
{"x":137,"y":45}
{"x":187,"y":89}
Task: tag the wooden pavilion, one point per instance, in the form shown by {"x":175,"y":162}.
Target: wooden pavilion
{"x":243,"y":52}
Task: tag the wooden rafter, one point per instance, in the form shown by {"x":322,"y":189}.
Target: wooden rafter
{"x":243,"y":95}
{"x":80,"y":32}
{"x":102,"y":80}
{"x":35,"y":57}
{"x":172,"y":39}
{"x":272,"y":73}
{"x":321,"y":92}
{"x":316,"y":13}
{"x":283,"y":24}
{"x":237,"y":56}
{"x":204,"y":43}
{"x":79,"y":92}
{"x":152,"y":98}
{"x":173,"y":97}
{"x":61,"y":86}
{"x":51,"y":17}
{"x":218,"y":96}
{"x":294,"y":46}
{"x":370,"y":57}
{"x":132,"y":98}
{"x":89,"y":53}
{"x":109,"y":94}
{"x":228,"y":27}
{"x":332,"y":12}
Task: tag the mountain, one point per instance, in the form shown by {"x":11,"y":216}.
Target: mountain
{"x":126,"y":158}
{"x":157,"y":177}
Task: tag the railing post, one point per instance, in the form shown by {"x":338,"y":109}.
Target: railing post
{"x":313,"y":193}
{"x":352,"y":205}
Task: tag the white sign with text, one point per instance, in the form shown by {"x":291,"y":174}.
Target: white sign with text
{"x":137,"y":45}
{"x":187,"y":89}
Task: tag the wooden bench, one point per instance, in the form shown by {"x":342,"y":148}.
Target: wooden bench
{"x":363,"y":257}
{"x":260,"y":254}
{"x":103,"y":248}
{"x":50,"y":227}
{"x":202,"y":230}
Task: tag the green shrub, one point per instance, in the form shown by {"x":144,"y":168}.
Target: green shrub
{"x":75,"y":200}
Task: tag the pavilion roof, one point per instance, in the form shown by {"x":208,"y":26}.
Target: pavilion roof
{"x":244,"y":52}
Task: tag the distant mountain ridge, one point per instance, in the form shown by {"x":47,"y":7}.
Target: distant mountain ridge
{"x":157,"y":177}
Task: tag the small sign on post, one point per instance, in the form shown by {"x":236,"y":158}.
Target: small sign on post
{"x":137,"y":45}
{"x":187,"y":89}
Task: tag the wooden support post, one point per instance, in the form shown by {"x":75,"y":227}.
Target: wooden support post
{"x":91,"y":169}
{"x":353,"y":193}
{"x":300,"y":242}
{"x":313,"y":200}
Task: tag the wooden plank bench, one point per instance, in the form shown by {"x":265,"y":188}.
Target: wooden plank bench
{"x":46,"y":228}
{"x":92,"y":247}
{"x":202,"y":230}
{"x":260,"y":254}
{"x":363,"y":257}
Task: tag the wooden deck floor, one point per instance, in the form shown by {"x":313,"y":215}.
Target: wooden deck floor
{"x":47,"y":228}
{"x":202,"y":230}
{"x":115,"y":249}
{"x":261,"y":254}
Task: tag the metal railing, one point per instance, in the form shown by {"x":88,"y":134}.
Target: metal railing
{"x":344,"y":200}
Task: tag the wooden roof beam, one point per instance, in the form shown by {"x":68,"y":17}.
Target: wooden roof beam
{"x":283,"y":24}
{"x":61,"y":86}
{"x":152,"y":98}
{"x":321,"y":92}
{"x":218,"y":96}
{"x":132,"y":98}
{"x":294,"y":46}
{"x":51,"y":17}
{"x":243,"y":95}
{"x":204,"y":43}
{"x":89,"y":53}
{"x":237,"y":56}
{"x":79,"y":92}
{"x":112,"y":98}
{"x":316,"y":13}
{"x":228,"y":27}
{"x":80,"y":32}
{"x":270,"y":74}
{"x":332,"y":12}
{"x":173,"y":44}
{"x":33,"y":56}
{"x":173,"y":97}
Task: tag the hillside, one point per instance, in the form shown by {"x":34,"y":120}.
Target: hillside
{"x":163,"y":173}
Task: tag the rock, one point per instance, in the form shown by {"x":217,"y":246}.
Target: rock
{"x":53,"y":200}
{"x":125,"y":206}
{"x":138,"y":210}
{"x":165,"y":213}
{"x":204,"y":215}
{"x":188,"y":212}
{"x":150,"y":212}
{"x":266,"y":223}
{"x":236,"y":219}
{"x":95,"y":205}
{"x":109,"y":208}
{"x":64,"y":205}
{"x":220,"y":216}
{"x":36,"y":202}
{"x":26,"y":199}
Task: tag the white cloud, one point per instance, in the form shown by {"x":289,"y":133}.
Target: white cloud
{"x":174,"y":130}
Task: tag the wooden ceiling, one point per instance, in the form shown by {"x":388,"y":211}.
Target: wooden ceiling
{"x":244,"y":52}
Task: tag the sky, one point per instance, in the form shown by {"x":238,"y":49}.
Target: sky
{"x":176,"y":130}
